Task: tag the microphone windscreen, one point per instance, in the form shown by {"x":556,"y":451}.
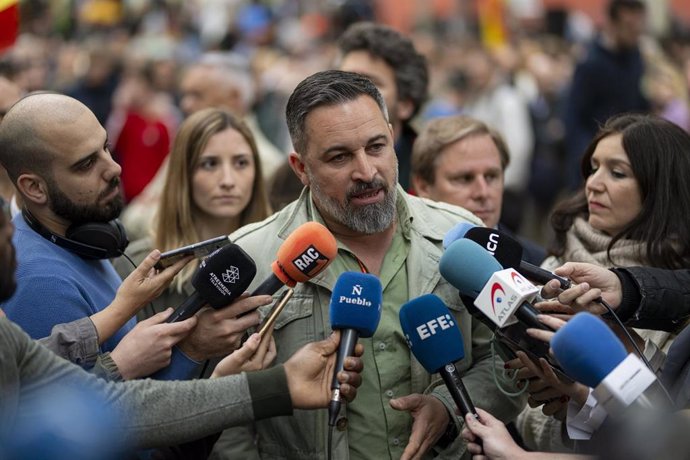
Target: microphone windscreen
{"x":587,"y":349}
{"x":356,"y":303}
{"x":456,"y":233}
{"x":431,"y":332}
{"x":305,"y":253}
{"x":224,"y":275}
{"x":468,"y":267}
{"x":505,"y":249}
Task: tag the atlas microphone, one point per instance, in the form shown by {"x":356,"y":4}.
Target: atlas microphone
{"x":220,"y":279}
{"x":436,"y":341}
{"x":589,"y":351}
{"x":355,"y":310}
{"x":503,"y":295}
{"x":305,"y":253}
{"x":508,"y":251}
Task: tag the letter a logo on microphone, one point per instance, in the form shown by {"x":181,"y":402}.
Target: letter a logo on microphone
{"x":496,"y":290}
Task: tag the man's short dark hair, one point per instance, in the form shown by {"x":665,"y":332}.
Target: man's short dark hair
{"x":328,"y":88}
{"x":383,"y":42}
{"x":616,"y":6}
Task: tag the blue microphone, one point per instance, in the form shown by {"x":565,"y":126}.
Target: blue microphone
{"x":592,"y":354}
{"x":456,"y":233}
{"x":356,"y":310}
{"x":587,"y":349}
{"x":436,"y":341}
{"x":468,"y":267}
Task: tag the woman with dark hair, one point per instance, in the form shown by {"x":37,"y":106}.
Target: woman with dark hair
{"x":629,"y":213}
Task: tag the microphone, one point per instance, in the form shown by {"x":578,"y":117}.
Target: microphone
{"x":503,"y":295}
{"x":221,"y":278}
{"x":456,"y":233}
{"x":591,"y":353}
{"x":355,"y":309}
{"x":508,"y":251}
{"x":303,"y":255}
{"x":436,"y":341}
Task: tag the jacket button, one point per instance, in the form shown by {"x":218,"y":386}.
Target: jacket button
{"x":341,"y":424}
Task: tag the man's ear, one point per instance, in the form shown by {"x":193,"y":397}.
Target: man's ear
{"x":297,"y":165}
{"x":33,"y":188}
{"x":422,"y":187}
{"x":405,"y":110}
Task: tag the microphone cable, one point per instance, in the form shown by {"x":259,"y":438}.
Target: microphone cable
{"x":619,"y":323}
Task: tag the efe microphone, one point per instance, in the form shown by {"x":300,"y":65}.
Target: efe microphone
{"x":220,"y":279}
{"x":355,"y":309}
{"x":436,"y":341}
{"x":305,"y":253}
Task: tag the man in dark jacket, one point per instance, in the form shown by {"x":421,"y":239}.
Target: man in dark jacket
{"x":399,"y":72}
{"x":606,"y":82}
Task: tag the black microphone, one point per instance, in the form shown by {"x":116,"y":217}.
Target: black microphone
{"x":508,"y":251}
{"x":220,"y":279}
{"x":436,"y":341}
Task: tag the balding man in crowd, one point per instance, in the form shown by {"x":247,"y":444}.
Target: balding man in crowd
{"x":56,"y":153}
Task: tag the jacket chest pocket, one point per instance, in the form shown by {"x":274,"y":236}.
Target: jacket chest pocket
{"x":296,"y":324}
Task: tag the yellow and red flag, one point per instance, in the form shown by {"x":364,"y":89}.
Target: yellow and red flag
{"x":492,"y":24}
{"x":9,"y":22}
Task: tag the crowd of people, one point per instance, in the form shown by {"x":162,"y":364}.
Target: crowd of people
{"x":154,"y":127}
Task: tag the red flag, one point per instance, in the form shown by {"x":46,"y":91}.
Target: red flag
{"x":9,"y":22}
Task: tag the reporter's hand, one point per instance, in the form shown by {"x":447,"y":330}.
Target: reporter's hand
{"x":430,"y":422}
{"x":544,"y":386}
{"x":148,"y":347}
{"x":255,"y":354}
{"x":593,"y":282}
{"x":219,"y":331}
{"x":310,"y":372}
{"x":497,"y":444}
{"x":145,"y":283}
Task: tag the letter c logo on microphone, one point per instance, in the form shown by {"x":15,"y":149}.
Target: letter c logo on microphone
{"x":496,"y":291}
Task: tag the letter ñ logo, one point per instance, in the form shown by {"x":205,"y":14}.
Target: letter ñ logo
{"x":357,"y":289}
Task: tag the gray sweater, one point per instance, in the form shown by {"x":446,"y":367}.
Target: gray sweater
{"x":152,"y":413}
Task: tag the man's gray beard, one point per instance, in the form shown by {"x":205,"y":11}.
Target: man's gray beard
{"x":369,"y":219}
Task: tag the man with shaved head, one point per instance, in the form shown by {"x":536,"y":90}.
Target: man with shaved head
{"x":56,"y":154}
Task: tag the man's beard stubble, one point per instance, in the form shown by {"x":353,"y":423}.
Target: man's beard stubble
{"x":77,"y":214}
{"x":369,"y":219}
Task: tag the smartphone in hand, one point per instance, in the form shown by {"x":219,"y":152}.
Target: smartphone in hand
{"x":198,"y":250}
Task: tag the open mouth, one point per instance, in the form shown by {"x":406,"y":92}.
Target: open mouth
{"x":366,"y":197}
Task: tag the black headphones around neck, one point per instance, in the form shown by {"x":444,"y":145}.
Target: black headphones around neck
{"x":94,"y":240}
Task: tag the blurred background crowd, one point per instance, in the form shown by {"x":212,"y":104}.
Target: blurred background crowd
{"x":128,"y":61}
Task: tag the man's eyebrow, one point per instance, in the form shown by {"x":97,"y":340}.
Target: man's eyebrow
{"x":84,"y":159}
{"x":343,"y":148}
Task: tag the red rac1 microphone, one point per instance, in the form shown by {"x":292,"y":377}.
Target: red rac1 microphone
{"x":303,"y":255}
